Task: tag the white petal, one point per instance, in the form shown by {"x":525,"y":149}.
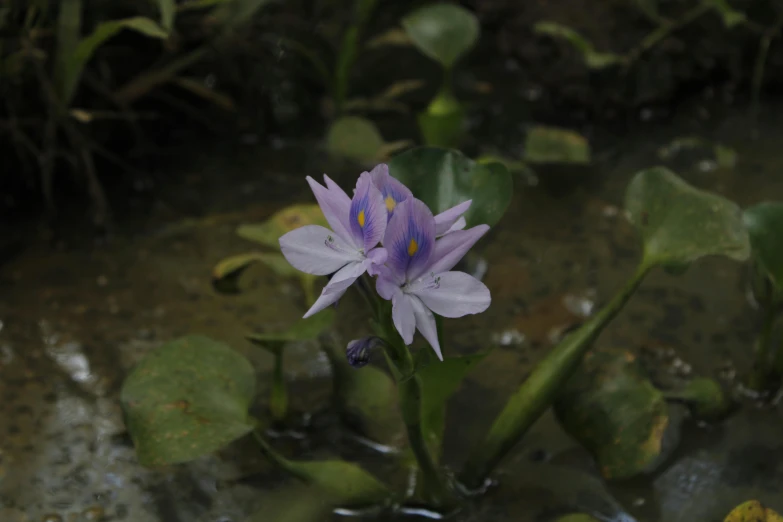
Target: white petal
{"x":402,"y":315}
{"x":345,"y":277}
{"x":324,"y":300}
{"x":317,"y":250}
{"x":454,"y":294}
{"x":425,"y":322}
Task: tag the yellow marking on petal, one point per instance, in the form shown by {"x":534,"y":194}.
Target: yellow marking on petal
{"x":413,"y":247}
{"x":390,"y":203}
{"x":360,"y":218}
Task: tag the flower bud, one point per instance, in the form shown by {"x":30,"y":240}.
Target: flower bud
{"x":358,"y":351}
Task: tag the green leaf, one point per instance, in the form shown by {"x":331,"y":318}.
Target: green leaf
{"x":295,"y":503}
{"x":553,"y":145}
{"x":577,"y":517}
{"x":290,"y":218}
{"x":168,"y":9}
{"x":765,"y":227}
{"x":232,"y":14}
{"x":74,"y":63}
{"x":731,"y":16}
{"x":442,"y":125}
{"x":443,"y":32}
{"x":706,"y":399}
{"x":443,"y":178}
{"x":302,"y":330}
{"x":355,"y":138}
{"x":615,"y":413}
{"x":679,"y":223}
{"x":593,"y":59}
{"x":752,"y":511}
{"x":347,"y":483}
{"x":186,"y":399}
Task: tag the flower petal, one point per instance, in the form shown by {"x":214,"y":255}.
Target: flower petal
{"x":375,"y":260}
{"x":454,"y":294}
{"x":386,"y":285}
{"x":392,"y":190}
{"x":368,"y":214}
{"x":336,"y":206}
{"x":316,"y":250}
{"x":448,"y":218}
{"x":402,"y":315}
{"x":410,"y":237}
{"x":449,"y":250}
{"x":425,"y":323}
{"x":324,"y":300}
{"x":345,"y":277}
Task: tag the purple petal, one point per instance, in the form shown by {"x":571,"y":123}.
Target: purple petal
{"x":448,"y":218}
{"x":317,"y":250}
{"x":392,"y":190}
{"x":425,"y":322}
{"x":410,"y":237}
{"x":402,"y":315}
{"x":386,"y":285}
{"x":336,"y":206}
{"x":449,"y":250}
{"x":375,"y":260}
{"x":323,"y":301}
{"x":453,"y":294}
{"x":368,"y":215}
{"x":336,"y":287}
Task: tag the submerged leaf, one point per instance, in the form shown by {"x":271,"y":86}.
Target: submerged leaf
{"x":443,"y":178}
{"x":186,"y":399}
{"x":615,"y":413}
{"x":553,"y":145}
{"x":752,"y":511}
{"x":268,"y":233}
{"x":355,"y":138}
{"x":765,"y":227}
{"x":593,"y":59}
{"x":679,"y":223}
{"x":443,"y":32}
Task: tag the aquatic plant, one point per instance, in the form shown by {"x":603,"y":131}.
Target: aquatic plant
{"x":396,"y":243}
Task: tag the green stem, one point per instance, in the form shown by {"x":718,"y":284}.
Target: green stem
{"x":539,"y":390}
{"x":664,"y":30}
{"x":278,"y":400}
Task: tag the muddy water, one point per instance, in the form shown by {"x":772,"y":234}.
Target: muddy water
{"x":75,"y":316}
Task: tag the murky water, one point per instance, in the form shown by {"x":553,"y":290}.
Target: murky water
{"x":75,"y":316}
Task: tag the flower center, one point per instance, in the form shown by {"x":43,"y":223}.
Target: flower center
{"x":427,"y":282}
{"x":360,"y":218}
{"x":390,"y":203}
{"x":413,"y":247}
{"x":331,"y":243}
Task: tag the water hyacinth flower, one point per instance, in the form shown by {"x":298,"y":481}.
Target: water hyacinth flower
{"x":394,"y":193}
{"x":358,"y":351}
{"x":348,"y":250}
{"x":417,"y":277}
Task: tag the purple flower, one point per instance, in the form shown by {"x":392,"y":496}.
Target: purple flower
{"x":358,"y":351}
{"x":394,"y":193}
{"x":417,"y":275}
{"x":348,"y":250}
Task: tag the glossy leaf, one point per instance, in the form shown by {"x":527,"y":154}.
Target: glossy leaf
{"x":186,"y":399}
{"x":765,"y":227}
{"x":443,"y":178}
{"x":345,"y":482}
{"x":679,"y":223}
{"x":443,"y":32}
{"x":553,"y":145}
{"x":752,"y":511}
{"x":268,"y":233}
{"x":615,"y":413}
{"x":302,"y":330}
{"x":593,"y":59}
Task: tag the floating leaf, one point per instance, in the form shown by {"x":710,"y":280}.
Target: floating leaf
{"x":679,"y":223}
{"x":705,"y":398}
{"x":443,"y":178}
{"x":348,"y":484}
{"x":765,"y":227}
{"x":302,"y":330}
{"x":443,"y":32}
{"x":615,"y":413}
{"x":752,"y":511}
{"x":290,"y":218}
{"x":355,"y":138}
{"x":731,"y":16}
{"x":186,"y":399}
{"x":593,"y":59}
{"x":553,"y":145}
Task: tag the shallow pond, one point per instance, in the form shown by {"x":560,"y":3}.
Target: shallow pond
{"x":77,"y":315}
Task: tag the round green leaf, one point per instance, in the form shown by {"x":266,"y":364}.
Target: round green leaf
{"x":443,"y":32}
{"x":553,"y":145}
{"x":765,"y":227}
{"x":615,"y":413}
{"x":443,"y":178}
{"x":186,"y":399}
{"x":679,"y":223}
{"x":355,"y":138}
{"x":268,"y":233}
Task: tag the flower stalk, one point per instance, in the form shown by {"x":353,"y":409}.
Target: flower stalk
{"x":539,"y":390}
